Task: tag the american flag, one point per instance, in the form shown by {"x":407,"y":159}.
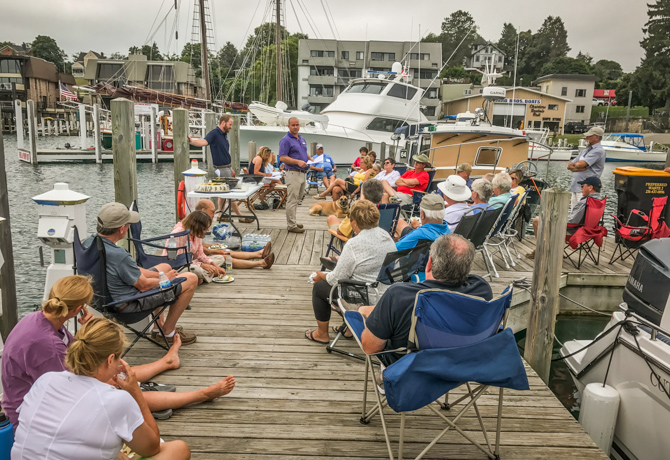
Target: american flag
{"x":67,"y":94}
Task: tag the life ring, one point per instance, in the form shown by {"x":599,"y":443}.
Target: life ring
{"x":181,"y":200}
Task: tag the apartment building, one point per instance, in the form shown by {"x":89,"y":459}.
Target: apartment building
{"x":577,"y":87}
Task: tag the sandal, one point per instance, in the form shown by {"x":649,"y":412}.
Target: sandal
{"x":245,"y":220}
{"x":309,"y":335}
{"x":337,"y":329}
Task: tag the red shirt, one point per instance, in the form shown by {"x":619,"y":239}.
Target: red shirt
{"x":422,"y":177}
{"x":357,"y":162}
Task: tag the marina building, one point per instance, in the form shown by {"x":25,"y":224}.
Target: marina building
{"x":521,"y":108}
{"x":325,"y":68}
{"x":577,"y":87}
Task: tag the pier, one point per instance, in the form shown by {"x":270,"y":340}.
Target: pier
{"x":294,"y":400}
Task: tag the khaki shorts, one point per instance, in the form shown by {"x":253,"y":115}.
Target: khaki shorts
{"x":153,"y":301}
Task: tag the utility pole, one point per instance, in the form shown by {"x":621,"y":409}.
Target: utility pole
{"x":630,"y":98}
{"x":278,"y":40}
{"x":203,"y":51}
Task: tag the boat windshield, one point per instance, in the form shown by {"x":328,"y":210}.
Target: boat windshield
{"x":388,"y":125}
{"x":367,"y":87}
{"x":635,"y":139}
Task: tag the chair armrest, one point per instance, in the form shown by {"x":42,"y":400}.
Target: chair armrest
{"x":163,"y":237}
{"x":640,"y":214}
{"x":355,"y":283}
{"x":175,"y":282}
{"x":338,"y":236}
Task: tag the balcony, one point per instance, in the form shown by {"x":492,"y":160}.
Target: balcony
{"x":320,"y":99}
{"x":321,"y":80}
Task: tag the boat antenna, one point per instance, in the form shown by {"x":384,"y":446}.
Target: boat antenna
{"x":516,"y":57}
{"x":278,"y":50}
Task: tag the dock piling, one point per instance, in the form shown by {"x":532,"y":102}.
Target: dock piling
{"x":210,"y":124}
{"x":181,"y":149}
{"x":18,"y":114}
{"x":32,"y":131}
{"x":544,"y":295}
{"x":9,"y":314}
{"x":382,"y":152}
{"x":82,"y":126}
{"x":234,"y":139}
{"x":123,"y":148}
{"x":96,"y":133}
{"x":252,"y":152}
{"x":154,"y":141}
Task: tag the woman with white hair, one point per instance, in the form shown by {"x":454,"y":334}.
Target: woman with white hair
{"x":482,"y":190}
{"x":502,"y":184}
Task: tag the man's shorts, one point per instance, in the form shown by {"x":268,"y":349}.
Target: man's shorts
{"x":225,"y":170}
{"x":404,"y":199}
{"x":321,"y":174}
{"x":153,"y":301}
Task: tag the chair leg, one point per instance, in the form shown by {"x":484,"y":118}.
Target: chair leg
{"x":479,"y":417}
{"x":496,"y":452}
{"x":493,"y":266}
{"x":384,"y":427}
{"x":368,"y":364}
{"x":402,"y":435}
{"x":445,"y":405}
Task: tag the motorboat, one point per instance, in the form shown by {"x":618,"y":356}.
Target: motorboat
{"x":632,"y":355}
{"x":279,"y":116}
{"x":539,"y":150}
{"x":367,"y":112}
{"x":630,"y":147}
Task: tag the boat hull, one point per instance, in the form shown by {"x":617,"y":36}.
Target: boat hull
{"x":633,"y":154}
{"x":542,"y":154}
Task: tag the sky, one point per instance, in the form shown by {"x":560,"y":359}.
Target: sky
{"x":605,"y":29}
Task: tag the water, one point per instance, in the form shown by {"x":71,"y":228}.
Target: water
{"x":156,"y":202}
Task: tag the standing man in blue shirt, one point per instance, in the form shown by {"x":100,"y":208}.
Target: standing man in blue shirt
{"x":217,"y":139}
{"x":293,"y":153}
{"x":589,"y":162}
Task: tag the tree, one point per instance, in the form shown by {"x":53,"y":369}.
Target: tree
{"x":550,"y":42}
{"x":565,"y":65}
{"x":117,"y":56}
{"x":586,"y":59}
{"x":227,"y":57}
{"x":152,"y":52}
{"x":608,"y":73}
{"x":46,"y":48}
{"x":507,"y":42}
{"x":458,"y":27}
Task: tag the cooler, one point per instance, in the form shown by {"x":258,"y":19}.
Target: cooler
{"x":636,"y":187}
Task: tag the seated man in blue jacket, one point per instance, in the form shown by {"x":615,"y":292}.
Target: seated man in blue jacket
{"x":429,"y":226}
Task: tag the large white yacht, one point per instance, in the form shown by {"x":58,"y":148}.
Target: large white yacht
{"x":632,"y":355}
{"x":368,"y":111}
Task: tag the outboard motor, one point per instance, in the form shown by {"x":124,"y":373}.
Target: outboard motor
{"x":647,"y":291}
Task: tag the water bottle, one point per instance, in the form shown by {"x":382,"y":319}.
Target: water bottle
{"x":163,"y":281}
{"x":172,"y":248}
{"x":229,"y":264}
{"x":6,"y":436}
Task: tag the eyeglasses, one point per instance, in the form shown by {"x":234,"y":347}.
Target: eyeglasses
{"x":387,"y":162}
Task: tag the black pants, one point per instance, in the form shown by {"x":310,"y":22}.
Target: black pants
{"x":320,"y":304}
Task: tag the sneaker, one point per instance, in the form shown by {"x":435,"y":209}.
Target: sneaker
{"x":531,"y":255}
{"x":186,"y":338}
{"x":153,"y":386}
{"x":394,"y":199}
{"x":296,"y":230}
{"x":299,"y":225}
{"x":319,"y":197}
{"x":162,"y":414}
{"x":380,"y":380}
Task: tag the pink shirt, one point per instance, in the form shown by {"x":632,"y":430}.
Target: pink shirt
{"x":197,"y":249}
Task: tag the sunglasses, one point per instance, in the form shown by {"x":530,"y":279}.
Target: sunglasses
{"x":387,"y":162}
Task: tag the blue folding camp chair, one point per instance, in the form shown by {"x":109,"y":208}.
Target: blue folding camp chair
{"x":454,"y":339}
{"x":505,"y":237}
{"x":91,"y":262}
{"x":494,"y":235}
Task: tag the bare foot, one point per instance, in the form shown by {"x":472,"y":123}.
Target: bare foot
{"x":221,"y":388}
{"x":172,"y":356}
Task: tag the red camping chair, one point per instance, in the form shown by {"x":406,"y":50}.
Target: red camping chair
{"x":582,"y":238}
{"x":630,"y":238}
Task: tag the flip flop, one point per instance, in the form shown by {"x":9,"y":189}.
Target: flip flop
{"x":337,"y":331}
{"x":309,"y":335}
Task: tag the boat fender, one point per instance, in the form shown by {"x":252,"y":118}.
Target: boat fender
{"x":181,"y":200}
{"x":598,"y":413}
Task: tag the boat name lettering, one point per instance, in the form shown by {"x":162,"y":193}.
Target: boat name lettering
{"x":655,"y":382}
{"x":521,"y":101}
{"x":636,"y":284}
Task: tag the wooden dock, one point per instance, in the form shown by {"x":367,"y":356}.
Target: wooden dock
{"x":294,"y":400}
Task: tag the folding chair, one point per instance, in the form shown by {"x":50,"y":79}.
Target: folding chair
{"x":92,"y":262}
{"x":454,"y":339}
{"x":398,"y":266}
{"x":466,"y":227}
{"x":484,"y":227}
{"x":417,"y":196}
{"x":312,"y":181}
{"x":582,"y":238}
{"x":503,"y":233}
{"x":182,"y":257}
{"x":630,"y":238}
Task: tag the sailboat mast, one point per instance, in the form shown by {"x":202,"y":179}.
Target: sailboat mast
{"x":278,"y":41}
{"x":203,"y":51}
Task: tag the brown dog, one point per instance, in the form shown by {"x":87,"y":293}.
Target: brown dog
{"x":339,"y":208}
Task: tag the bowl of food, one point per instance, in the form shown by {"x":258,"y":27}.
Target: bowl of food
{"x":231,"y":181}
{"x":251,"y":178}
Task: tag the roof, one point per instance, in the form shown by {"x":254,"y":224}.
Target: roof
{"x":41,"y":69}
{"x":20,"y":49}
{"x":485,"y":43}
{"x":523,"y":88}
{"x":604,"y":93}
{"x":566,"y":76}
{"x":83,"y":54}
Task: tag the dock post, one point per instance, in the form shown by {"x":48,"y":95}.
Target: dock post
{"x":234,"y":139}
{"x":382,"y":152}
{"x":210,"y":124}
{"x":252,"y":154}
{"x":96,"y":133}
{"x":32,"y":131}
{"x":18,"y":114}
{"x":82,"y":126}
{"x":181,"y":149}
{"x":312,"y":149}
{"x":368,"y":145}
{"x":123,"y":148}
{"x":154,"y":141}
{"x":544,"y":295}
{"x":9,"y":314}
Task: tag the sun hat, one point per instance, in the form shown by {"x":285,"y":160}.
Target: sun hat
{"x":114,"y":215}
{"x":455,"y":188}
{"x":464,"y":167}
{"x":421,"y":159}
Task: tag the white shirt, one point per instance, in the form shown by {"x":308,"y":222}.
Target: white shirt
{"x":73,"y":417}
{"x":390,"y":177}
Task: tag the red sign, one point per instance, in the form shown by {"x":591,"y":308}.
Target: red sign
{"x":24,"y":155}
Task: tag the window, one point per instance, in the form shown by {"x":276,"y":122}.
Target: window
{"x":367,"y":88}
{"x":382,"y":56}
{"x":580,"y":93}
{"x":425,"y":74}
{"x":431,"y":93}
{"x":349,"y":73}
{"x":317,"y":53}
{"x":160,"y":73}
{"x":477,"y":58}
{"x":10,"y":66}
{"x":385,"y":124}
{"x":345,"y":54}
{"x":305,"y":61}
{"x":322,"y":71}
{"x":564,"y":91}
{"x":487,"y":156}
{"x":420,"y":56}
{"x":429,"y":111}
{"x":553,"y":107}
{"x":499,"y":58}
{"x":579,"y":109}
{"x":17,"y":80}
{"x":110,"y":72}
{"x":359,"y":55}
{"x":320,"y":90}
{"x":402,"y":91}
{"x":467,"y":92}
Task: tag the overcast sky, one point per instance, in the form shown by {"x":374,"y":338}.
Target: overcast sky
{"x":606,"y":29}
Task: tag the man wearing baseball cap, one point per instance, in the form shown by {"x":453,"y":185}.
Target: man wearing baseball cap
{"x":589,"y":162}
{"x":456,"y":193}
{"x":416,"y":179}
{"x":430,"y":227}
{"x":324,"y":165}
{"x":590,"y":187}
{"x":126,"y":279}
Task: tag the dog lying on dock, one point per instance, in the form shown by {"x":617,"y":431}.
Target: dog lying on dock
{"x":339,"y":208}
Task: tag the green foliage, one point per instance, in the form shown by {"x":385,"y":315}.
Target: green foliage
{"x":586,"y":59}
{"x":607,"y":70}
{"x":46,"y":48}
{"x":565,"y":65}
{"x":458,"y":27}
{"x":455,"y":72}
{"x":507,"y":42}
{"x":550,"y":42}
{"x":118,"y":56}
{"x":618,"y":112}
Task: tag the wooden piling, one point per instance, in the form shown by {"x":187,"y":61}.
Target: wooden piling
{"x":123,"y":150}
{"x":82,"y":126}
{"x":252,"y":153}
{"x":544,"y":301}
{"x":210,"y":124}
{"x":382,"y":152}
{"x":32,"y":131}
{"x":368,"y":145}
{"x":181,"y":149}
{"x":312,"y":149}
{"x":234,"y":140}
{"x":152,"y":130}
{"x":18,"y":114}
{"x":9,"y":314}
{"x":96,"y":134}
